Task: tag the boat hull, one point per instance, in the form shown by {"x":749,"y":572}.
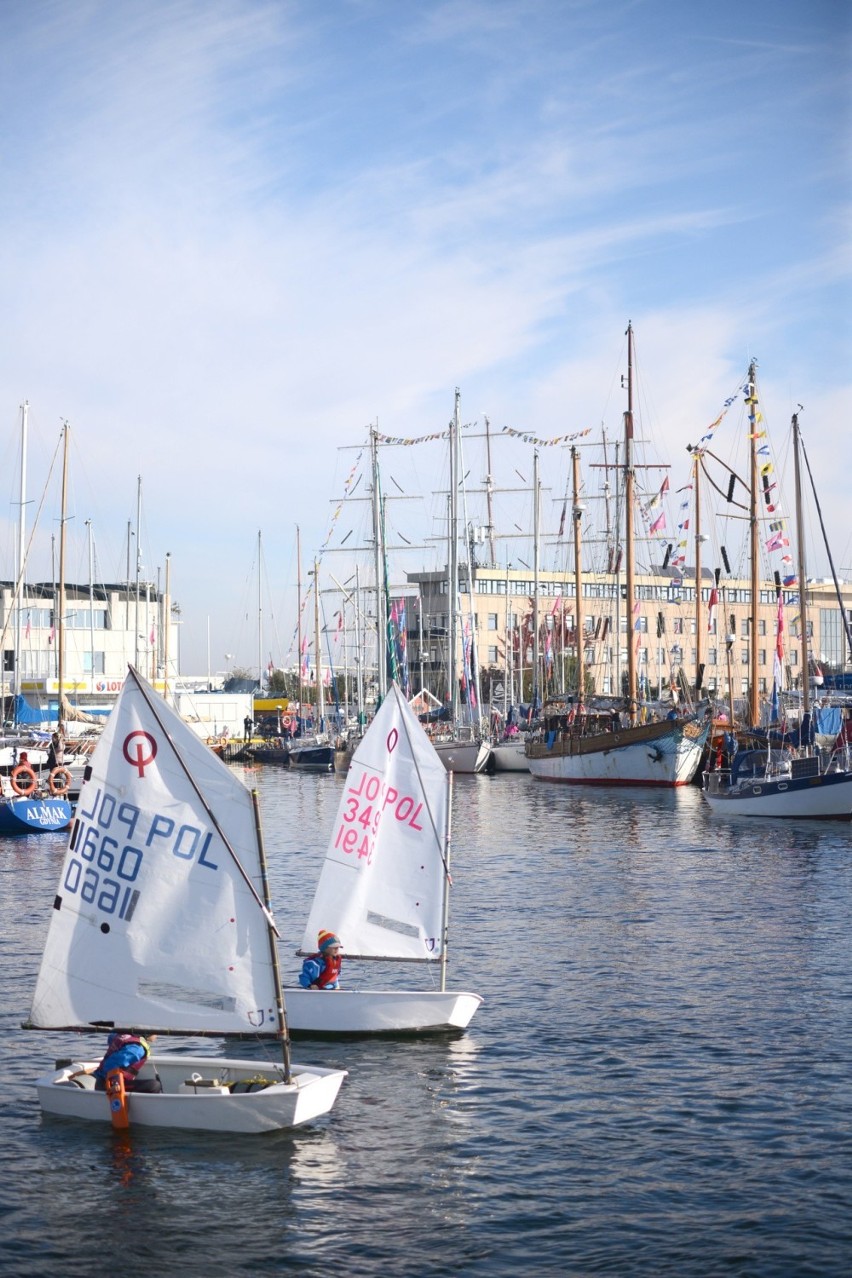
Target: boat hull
{"x":824,"y":797}
{"x":34,"y":815}
{"x":510,"y":756}
{"x":464,"y":756}
{"x":312,"y":758}
{"x":192,"y":1106}
{"x":655,"y":754}
{"x":378,"y":1011}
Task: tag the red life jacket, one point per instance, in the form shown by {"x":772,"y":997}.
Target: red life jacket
{"x":331,"y":971}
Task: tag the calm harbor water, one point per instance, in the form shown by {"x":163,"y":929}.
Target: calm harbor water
{"x":659,"y":1080}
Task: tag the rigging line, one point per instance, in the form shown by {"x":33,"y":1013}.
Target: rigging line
{"x":711,"y":481}
{"x":803,"y":584}
{"x":19,"y":583}
{"x":213,"y":819}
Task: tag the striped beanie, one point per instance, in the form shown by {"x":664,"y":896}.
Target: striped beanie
{"x":325,"y":940}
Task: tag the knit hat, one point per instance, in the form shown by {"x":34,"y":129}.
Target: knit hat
{"x":325,"y":940}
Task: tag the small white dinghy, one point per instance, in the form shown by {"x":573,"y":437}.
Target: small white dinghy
{"x":384,"y":885}
{"x":162,"y":923}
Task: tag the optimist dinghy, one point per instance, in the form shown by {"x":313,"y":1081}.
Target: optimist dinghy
{"x":161,"y":923}
{"x":384,"y":885}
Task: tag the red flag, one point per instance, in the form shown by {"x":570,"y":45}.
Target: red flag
{"x":714,"y":599}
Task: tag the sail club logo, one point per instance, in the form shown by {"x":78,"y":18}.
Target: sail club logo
{"x":135,"y":754}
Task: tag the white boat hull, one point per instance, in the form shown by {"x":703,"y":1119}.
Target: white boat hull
{"x":377,"y":1011}
{"x":185,"y":1105}
{"x":510,"y":756}
{"x":464,"y":756}
{"x":824,"y":797}
{"x":666,"y":759}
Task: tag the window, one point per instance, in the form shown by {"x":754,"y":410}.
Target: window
{"x":492,"y":620}
{"x":641,"y":624}
{"x":744,"y":656}
{"x":744,"y":627}
{"x":492,"y":655}
{"x":677,"y":626}
{"x":713,"y":657}
{"x":761,"y":657}
{"x":761,"y":627}
{"x":93,"y":663}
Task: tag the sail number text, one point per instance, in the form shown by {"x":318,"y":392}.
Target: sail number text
{"x":110,"y":842}
{"x":364,"y":807}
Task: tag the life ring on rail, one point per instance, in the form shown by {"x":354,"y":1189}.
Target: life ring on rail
{"x":59,"y":781}
{"x":23,"y":770}
{"x":286,"y":721}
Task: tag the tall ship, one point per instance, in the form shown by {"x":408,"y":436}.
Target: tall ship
{"x":584,"y":741}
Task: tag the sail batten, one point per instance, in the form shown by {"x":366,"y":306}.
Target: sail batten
{"x":159,"y":921}
{"x":382,"y":884}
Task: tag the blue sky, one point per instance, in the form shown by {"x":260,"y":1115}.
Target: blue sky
{"x":234,"y":234}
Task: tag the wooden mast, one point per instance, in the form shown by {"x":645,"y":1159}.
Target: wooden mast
{"x":630,"y":556}
{"x":802,"y":571}
{"x":751,"y":400}
{"x":579,"y":619}
{"x":699,"y":629}
{"x":60,"y":611}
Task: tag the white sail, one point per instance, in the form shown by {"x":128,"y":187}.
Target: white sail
{"x":381,"y":888}
{"x":159,"y":921}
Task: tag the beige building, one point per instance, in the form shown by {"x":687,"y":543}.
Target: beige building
{"x":662,"y":621}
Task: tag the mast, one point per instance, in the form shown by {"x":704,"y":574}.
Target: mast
{"x":318,"y":662}
{"x":378,"y":546}
{"x":281,"y":1013}
{"x":803,"y":581}
{"x":699,"y":630}
{"x":138,"y":567}
{"x":751,"y":400}
{"x":453,"y":566}
{"x":489,"y":496}
{"x":630,"y":569}
{"x":259,"y":618}
{"x":536,"y":540}
{"x":60,"y":612}
{"x":579,"y":620}
{"x":445,"y":910}
{"x":166,"y":605}
{"x":298,"y":621}
{"x":25,"y":407}
{"x":359,"y":646}
{"x":91,"y":550}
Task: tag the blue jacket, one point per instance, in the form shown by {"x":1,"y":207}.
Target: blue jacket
{"x":127,"y":1055}
{"x":312,"y":971}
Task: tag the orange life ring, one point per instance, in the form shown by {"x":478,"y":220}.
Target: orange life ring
{"x":23,"y":770}
{"x":59,"y":781}
{"x":286,"y":721}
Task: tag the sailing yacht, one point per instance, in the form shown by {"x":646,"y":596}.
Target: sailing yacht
{"x":584,"y":743}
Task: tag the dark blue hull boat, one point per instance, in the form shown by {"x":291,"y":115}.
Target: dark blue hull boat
{"x":35,"y":815}
{"x":316,"y":758}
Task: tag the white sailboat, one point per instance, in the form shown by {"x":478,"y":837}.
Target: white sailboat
{"x":800,"y":784}
{"x":384,"y":884}
{"x":162,"y":923}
